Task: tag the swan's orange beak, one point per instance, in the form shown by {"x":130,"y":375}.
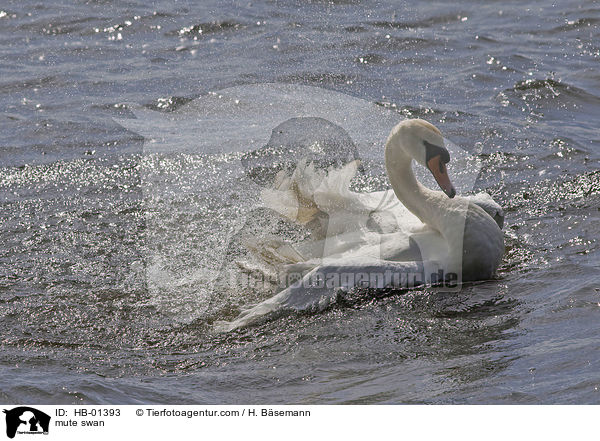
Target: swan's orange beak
{"x":438,"y":169}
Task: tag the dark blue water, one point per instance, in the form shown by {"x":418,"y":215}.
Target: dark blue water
{"x":88,"y":314}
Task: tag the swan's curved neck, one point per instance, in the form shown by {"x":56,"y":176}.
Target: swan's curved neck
{"x":428,"y":205}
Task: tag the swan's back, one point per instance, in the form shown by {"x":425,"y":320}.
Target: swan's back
{"x":482,"y":245}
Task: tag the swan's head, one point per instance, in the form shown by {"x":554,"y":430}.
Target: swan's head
{"x":423,"y":142}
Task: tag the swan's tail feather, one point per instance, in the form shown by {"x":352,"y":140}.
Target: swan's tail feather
{"x":320,"y":288}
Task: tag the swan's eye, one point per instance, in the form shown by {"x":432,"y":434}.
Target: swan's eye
{"x":432,"y":150}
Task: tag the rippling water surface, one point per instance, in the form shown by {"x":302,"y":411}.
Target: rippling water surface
{"x":107,"y":290}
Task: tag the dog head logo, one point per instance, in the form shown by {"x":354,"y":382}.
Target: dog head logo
{"x":26,"y":420}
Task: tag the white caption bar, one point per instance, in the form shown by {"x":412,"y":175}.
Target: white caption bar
{"x":158,"y":422}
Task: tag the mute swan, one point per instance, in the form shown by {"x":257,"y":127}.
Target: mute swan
{"x":431,"y":236}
